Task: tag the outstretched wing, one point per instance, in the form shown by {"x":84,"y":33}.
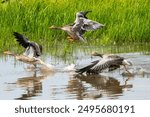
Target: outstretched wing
{"x":91,"y":25}
{"x":32,"y":48}
{"x":107,"y":64}
{"x":87,"y":68}
{"x":23,"y":41}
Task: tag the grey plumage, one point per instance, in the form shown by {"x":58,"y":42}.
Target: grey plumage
{"x":33,"y":49}
{"x":110,"y":62}
{"x":68,"y":29}
{"x":80,"y":26}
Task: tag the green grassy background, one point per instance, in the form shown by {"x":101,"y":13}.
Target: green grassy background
{"x":125,"y":20}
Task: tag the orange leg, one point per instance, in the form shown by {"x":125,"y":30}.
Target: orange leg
{"x":70,"y":39}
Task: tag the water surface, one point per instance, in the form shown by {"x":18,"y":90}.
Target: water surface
{"x":18,"y":81}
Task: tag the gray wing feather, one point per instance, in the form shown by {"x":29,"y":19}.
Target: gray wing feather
{"x":106,"y":63}
{"x":91,"y":25}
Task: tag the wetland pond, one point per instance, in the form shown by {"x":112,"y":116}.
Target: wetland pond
{"x":18,"y":81}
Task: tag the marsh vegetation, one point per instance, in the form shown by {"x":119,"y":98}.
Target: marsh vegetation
{"x":126,"y":21}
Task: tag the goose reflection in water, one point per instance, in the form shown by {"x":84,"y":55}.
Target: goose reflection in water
{"x":31,"y":85}
{"x":96,"y":86}
{"x":76,"y":88}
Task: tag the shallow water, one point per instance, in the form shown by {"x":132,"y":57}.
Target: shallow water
{"x":18,"y":81}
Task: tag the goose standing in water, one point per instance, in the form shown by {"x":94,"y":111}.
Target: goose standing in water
{"x":109,"y":62}
{"x":79,"y":27}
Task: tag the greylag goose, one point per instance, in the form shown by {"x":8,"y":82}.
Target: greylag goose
{"x":25,"y":59}
{"x":32,"y":53}
{"x":31,"y":60}
{"x":107,"y":61}
{"x":82,"y":25}
{"x":79,"y":27}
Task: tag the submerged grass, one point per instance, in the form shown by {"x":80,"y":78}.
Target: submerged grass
{"x":125,"y":20}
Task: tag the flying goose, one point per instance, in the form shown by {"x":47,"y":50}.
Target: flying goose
{"x":79,"y":27}
{"x":107,"y":61}
{"x":33,"y":49}
{"x":82,"y":24}
{"x":68,"y":29}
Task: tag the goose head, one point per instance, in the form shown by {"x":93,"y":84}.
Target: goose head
{"x":96,"y":54}
{"x":82,"y":13}
{"x":52,"y":27}
{"x":8,"y":53}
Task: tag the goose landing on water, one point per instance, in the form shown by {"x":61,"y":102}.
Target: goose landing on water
{"x":25,"y":59}
{"x":110,"y":62}
{"x":79,"y":27}
{"x":30,"y":60}
{"x":33,"y":50}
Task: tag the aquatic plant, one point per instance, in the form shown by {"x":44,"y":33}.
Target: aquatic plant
{"x":125,"y":20}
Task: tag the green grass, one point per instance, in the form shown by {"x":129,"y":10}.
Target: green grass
{"x":125,"y":20}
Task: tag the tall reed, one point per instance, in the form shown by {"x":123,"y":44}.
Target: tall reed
{"x":125,"y":20}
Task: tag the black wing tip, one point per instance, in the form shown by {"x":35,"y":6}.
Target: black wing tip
{"x":19,"y":36}
{"x":82,"y":70}
{"x":79,"y":71}
{"x":23,"y":41}
{"x":87,"y":68}
{"x":15,"y":33}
